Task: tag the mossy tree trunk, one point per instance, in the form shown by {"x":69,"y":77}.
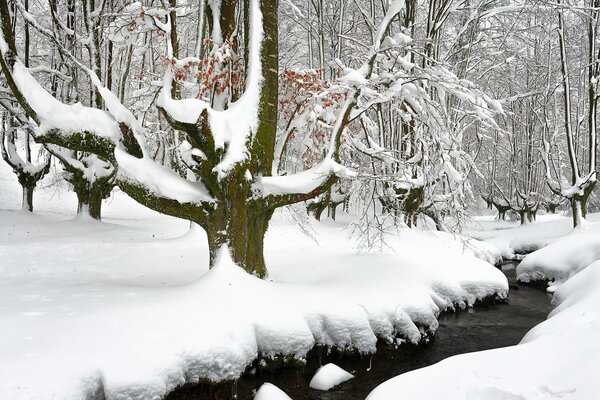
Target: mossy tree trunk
{"x":27,"y":204}
{"x":412,"y":205}
{"x":579,"y":204}
{"x":90,"y":191}
{"x":551,"y":207}
{"x":317,"y":206}
{"x":90,"y":195}
{"x":28,"y":187}
{"x":502,"y":210}
{"x":242,"y":229}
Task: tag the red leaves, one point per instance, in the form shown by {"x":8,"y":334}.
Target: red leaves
{"x":219,"y":72}
{"x":315,"y":102}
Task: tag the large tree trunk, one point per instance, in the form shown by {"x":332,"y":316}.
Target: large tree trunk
{"x":90,"y":204}
{"x":242,"y":229}
{"x":90,"y":196}
{"x":579,"y":205}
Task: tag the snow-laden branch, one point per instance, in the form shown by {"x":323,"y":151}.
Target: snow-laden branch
{"x":90,"y":167}
{"x":303,"y":182}
{"x":113,"y":135}
{"x":395,"y":8}
{"x":10,"y":155}
{"x":158,"y":179}
{"x":129,"y":130}
{"x":319,"y":178}
{"x":55,"y":115}
{"x":232,"y":129}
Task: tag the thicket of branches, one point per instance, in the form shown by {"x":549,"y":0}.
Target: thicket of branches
{"x":221,"y":111}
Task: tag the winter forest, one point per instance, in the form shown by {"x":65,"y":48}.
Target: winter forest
{"x":299,"y":199}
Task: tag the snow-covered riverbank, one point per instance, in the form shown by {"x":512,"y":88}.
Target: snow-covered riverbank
{"x":127,"y":306}
{"x":556,"y":359}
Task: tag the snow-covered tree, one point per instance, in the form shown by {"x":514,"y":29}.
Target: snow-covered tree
{"x":28,"y":172}
{"x":583,"y":173}
{"x":380,"y":112}
{"x":233,"y":196}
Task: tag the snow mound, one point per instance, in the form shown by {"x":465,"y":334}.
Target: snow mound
{"x":562,"y":258}
{"x":268,"y":391}
{"x":557,"y":359}
{"x":328,"y":376}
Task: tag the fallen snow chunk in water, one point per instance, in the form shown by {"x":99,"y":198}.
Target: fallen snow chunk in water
{"x":328,"y":376}
{"x":268,"y":391}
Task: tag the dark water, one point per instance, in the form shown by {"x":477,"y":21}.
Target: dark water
{"x":482,"y":328}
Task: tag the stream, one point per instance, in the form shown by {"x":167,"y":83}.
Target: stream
{"x":481,"y":328}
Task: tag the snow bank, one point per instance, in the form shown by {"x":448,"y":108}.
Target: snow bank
{"x":509,"y":239}
{"x":110,"y":309}
{"x":329,"y":376}
{"x":558,"y":358}
{"x":563,"y":258}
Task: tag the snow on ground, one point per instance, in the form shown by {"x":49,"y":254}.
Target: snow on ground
{"x":508,"y":238}
{"x":329,"y":376}
{"x":562,"y":258}
{"x":557,"y":359}
{"x":126,"y":307}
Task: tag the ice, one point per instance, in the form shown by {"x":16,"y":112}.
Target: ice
{"x":328,"y":376}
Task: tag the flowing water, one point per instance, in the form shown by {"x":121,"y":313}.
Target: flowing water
{"x":481,"y":328}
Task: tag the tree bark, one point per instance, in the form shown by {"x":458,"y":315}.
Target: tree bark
{"x":90,"y":204}
{"x":579,"y":204}
{"x":242,"y":229}
{"x":27,"y":204}
{"x":90,"y":195}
